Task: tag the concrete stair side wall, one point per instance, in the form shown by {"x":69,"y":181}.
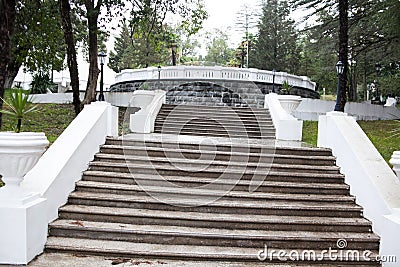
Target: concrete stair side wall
{"x":372,"y":181}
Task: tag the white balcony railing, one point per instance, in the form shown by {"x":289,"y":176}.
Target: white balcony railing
{"x":213,"y":73}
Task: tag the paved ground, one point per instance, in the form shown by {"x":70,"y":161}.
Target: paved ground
{"x":69,"y":260}
{"x":211,"y":140}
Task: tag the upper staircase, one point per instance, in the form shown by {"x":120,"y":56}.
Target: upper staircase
{"x":189,"y":199}
{"x":232,"y":122}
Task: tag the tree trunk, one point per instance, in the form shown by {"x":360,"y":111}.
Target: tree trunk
{"x":65,"y":11}
{"x":92,"y":16}
{"x":343,"y":49}
{"x":12,"y":71}
{"x":7,"y":21}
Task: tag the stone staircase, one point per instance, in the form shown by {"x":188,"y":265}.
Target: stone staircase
{"x":188,"y":199}
{"x":233,"y":122}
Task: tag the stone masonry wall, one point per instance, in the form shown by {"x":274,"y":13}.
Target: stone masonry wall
{"x":211,"y":93}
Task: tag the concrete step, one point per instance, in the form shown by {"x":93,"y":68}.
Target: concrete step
{"x":248,"y":123}
{"x":206,"y":169}
{"x":161,"y":189}
{"x":218,"y":131}
{"x":265,"y":207}
{"x":212,"y":123}
{"x":183,"y":252}
{"x":195,"y":144}
{"x":213,"y":220}
{"x":181,"y":235}
{"x":212,"y":117}
{"x":219,"y":109}
{"x":302,"y":185}
{"x":217,"y":134}
{"x":232,"y":131}
{"x":190,"y":154}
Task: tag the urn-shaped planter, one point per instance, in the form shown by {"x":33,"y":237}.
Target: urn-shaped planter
{"x":19,"y":152}
{"x":289,"y":102}
{"x":395,"y":161}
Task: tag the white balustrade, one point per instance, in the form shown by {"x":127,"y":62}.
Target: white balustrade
{"x":214,"y":73}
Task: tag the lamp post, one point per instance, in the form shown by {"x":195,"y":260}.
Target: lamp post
{"x":273,"y":80}
{"x":159,"y":72}
{"x":378,"y":69}
{"x":102,"y":58}
{"x":173,"y":49}
{"x":339,"y":71}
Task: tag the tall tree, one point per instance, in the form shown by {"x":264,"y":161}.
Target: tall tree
{"x":147,"y":40}
{"x":246,"y":21}
{"x":276,"y":45}
{"x":37,"y":42}
{"x":218,"y":50}
{"x":65,"y":12}
{"x":7,"y":21}
{"x":343,"y":52}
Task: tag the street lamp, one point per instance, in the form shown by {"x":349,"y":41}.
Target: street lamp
{"x":159,"y":72}
{"x":102,"y":59}
{"x":339,"y":71}
{"x":173,"y":48}
{"x":273,"y":80}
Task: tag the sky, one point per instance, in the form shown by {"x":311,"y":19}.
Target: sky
{"x":223,"y":14}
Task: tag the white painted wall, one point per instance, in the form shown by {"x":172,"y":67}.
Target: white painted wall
{"x":374,"y":184}
{"x":311,"y":109}
{"x":24,"y":226}
{"x":55,"y":174}
{"x":287,"y":127}
{"x":119,"y":99}
{"x":150,"y":103}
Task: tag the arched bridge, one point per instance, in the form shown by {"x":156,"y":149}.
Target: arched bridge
{"x":213,"y":85}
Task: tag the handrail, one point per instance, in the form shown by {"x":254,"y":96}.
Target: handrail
{"x":214,"y":73}
{"x":143,"y":120}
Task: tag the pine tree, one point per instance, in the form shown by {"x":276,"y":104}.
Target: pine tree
{"x":276,"y":46}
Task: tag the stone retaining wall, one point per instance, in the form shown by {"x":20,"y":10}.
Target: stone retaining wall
{"x":211,"y":93}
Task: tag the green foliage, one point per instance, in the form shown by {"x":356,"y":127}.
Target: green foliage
{"x":41,"y":83}
{"x":276,"y":45}
{"x":146,"y":40}
{"x":18,"y":106}
{"x":38,"y":38}
{"x":286,"y":87}
{"x":218,"y":50}
{"x":374,"y":34}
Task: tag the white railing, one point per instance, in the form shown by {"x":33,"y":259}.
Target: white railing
{"x":213,"y":73}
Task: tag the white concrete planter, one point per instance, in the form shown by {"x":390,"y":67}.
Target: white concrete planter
{"x":19,"y":152}
{"x":289,"y":102}
{"x":395,"y":161}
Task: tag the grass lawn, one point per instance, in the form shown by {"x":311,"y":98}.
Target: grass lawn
{"x":379,"y":132}
{"x":52,"y":119}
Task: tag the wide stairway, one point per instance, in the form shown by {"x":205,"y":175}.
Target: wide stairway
{"x":189,"y":199}
{"x":215,"y":121}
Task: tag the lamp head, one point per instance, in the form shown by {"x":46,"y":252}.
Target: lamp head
{"x":102,"y":57}
{"x":339,"y":67}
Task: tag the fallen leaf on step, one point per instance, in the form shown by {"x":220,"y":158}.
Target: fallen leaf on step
{"x":119,"y":261}
{"x":77,"y":223}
